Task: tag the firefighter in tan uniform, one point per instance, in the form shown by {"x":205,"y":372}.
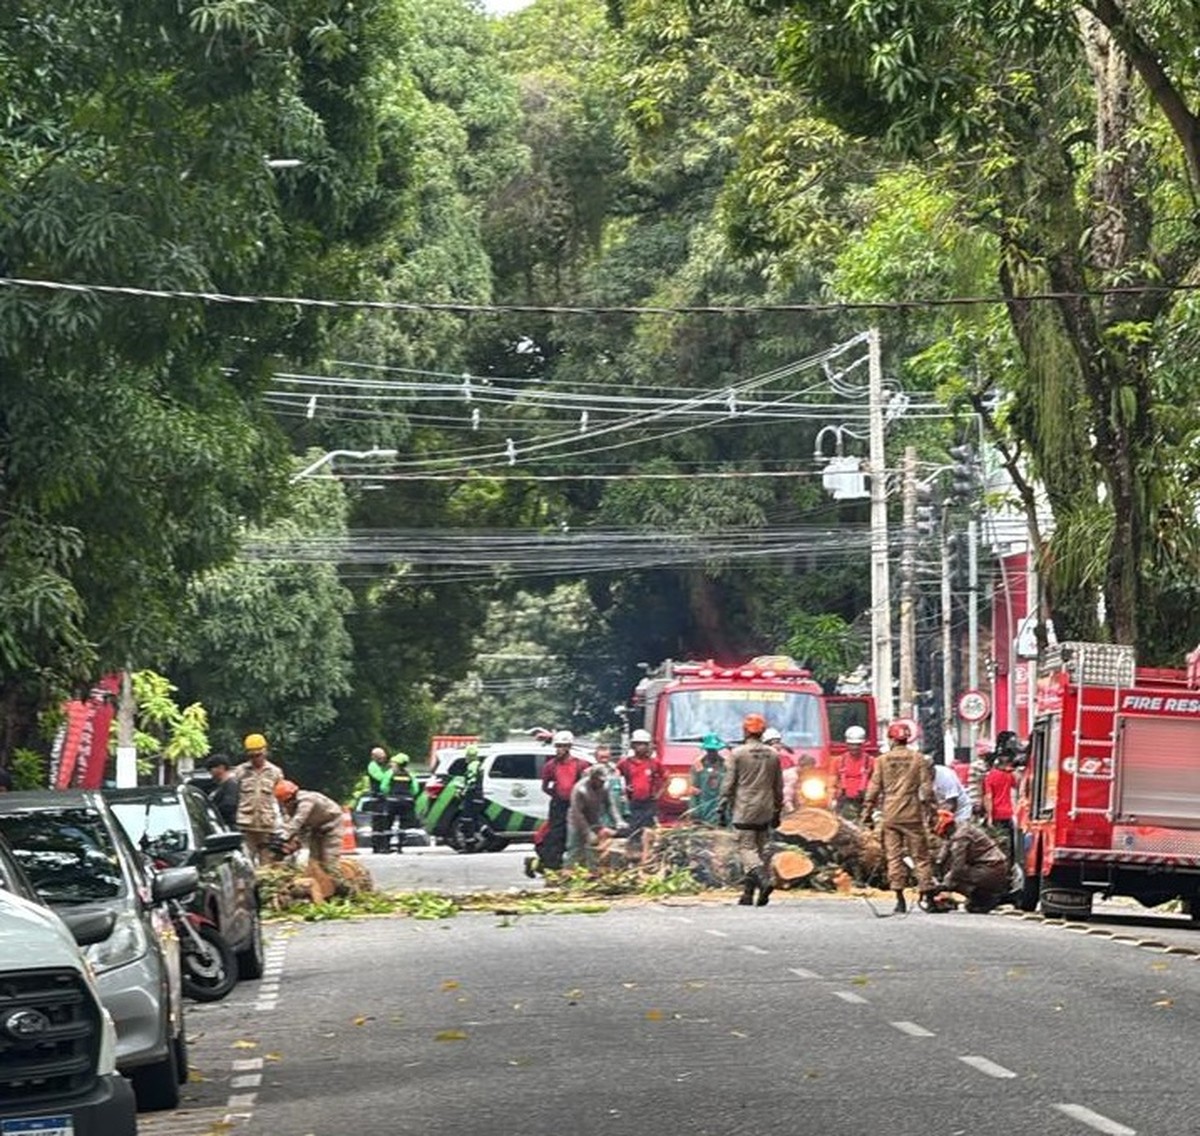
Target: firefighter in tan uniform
{"x":971,"y":863}
{"x":752,"y":796}
{"x":904,"y":779}
{"x":257,"y":816}
{"x":314,"y":817}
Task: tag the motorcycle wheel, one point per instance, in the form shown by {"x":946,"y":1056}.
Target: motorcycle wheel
{"x":209,"y":967}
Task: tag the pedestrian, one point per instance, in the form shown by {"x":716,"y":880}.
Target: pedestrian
{"x":852,"y":773}
{"x":999,"y":791}
{"x":586,"y":817}
{"x":789,"y":765}
{"x":617,"y":812}
{"x":752,"y":797}
{"x":903,"y":780}
{"x":644,"y":781}
{"x":224,"y":793}
{"x":950,"y":793}
{"x":559,"y":774}
{"x":971,"y":863}
{"x":313,"y":818}
{"x":708,"y":778}
{"x":257,"y":813}
{"x":392,"y":795}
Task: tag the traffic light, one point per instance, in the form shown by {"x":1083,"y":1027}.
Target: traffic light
{"x":958,"y":555}
{"x":965,"y":481}
{"x":927,"y":510}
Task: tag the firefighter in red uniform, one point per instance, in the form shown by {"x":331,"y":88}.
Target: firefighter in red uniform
{"x":559,"y":775}
{"x":904,"y":780}
{"x":644,"y":780}
{"x":853,"y":772}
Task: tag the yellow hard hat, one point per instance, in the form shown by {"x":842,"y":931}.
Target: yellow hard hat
{"x":253,"y":742}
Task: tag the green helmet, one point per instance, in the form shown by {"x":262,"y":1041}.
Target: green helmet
{"x":471,"y":751}
{"x":400,"y":758}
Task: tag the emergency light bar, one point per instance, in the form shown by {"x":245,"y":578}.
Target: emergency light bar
{"x":765,"y":669}
{"x":1098,"y":664}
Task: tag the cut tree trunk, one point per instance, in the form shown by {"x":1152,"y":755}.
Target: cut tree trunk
{"x":791,"y":867}
{"x":831,"y":841}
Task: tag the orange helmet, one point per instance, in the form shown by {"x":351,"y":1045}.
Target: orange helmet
{"x":945,"y":818}
{"x":899,"y":731}
{"x":754,"y":724}
{"x":286,"y":790}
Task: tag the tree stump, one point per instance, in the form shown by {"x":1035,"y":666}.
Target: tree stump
{"x":791,"y":867}
{"x":831,"y":841}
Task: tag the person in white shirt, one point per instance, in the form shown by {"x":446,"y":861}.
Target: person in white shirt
{"x":950,"y":793}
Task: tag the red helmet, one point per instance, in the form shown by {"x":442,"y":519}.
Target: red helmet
{"x":754,"y":724}
{"x":899,"y":731}
{"x":286,"y":790}
{"x":945,"y":818}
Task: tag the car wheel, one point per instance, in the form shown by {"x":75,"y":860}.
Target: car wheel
{"x":209,"y":966}
{"x":156,"y":1086}
{"x":181,"y":1056}
{"x":251,"y":961}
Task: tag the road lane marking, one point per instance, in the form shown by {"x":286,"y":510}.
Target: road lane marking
{"x":246,"y":1064}
{"x":912,"y":1029}
{"x":801,"y":972}
{"x":755,"y":950}
{"x":714,"y":931}
{"x":242,"y":1100}
{"x":246,"y":1081}
{"x":851,"y":997}
{"x":1095,"y":1120}
{"x":988,"y":1067}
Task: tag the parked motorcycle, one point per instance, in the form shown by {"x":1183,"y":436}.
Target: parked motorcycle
{"x":207,"y":962}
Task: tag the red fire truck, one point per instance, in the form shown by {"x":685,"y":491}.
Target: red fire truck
{"x":1110,"y":801}
{"x":684,"y":701}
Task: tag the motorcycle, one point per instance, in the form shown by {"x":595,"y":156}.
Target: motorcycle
{"x":207,"y":962}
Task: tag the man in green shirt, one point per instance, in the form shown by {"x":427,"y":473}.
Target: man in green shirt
{"x":391,"y":786}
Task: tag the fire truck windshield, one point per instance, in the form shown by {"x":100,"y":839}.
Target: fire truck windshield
{"x":691,"y":714}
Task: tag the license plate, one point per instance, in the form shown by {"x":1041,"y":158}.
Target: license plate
{"x":37,"y":1126}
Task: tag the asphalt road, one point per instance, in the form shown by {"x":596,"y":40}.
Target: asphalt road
{"x":810,"y":1016}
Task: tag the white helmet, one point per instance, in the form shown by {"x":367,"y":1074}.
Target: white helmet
{"x":770,"y":734}
{"x":856,"y":735}
{"x":563,"y":738}
{"x":640,"y":736}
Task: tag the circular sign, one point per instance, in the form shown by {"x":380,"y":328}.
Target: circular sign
{"x":973,"y":706}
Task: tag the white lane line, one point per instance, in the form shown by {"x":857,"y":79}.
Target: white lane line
{"x":800,"y":972}
{"x":246,"y":1081}
{"x":851,"y":997}
{"x":988,"y":1067}
{"x":1095,"y":1120}
{"x":684,"y":919}
{"x":246,"y":1064}
{"x":241,"y":1100}
{"x":714,"y":931}
{"x":755,"y":950}
{"x":912,"y":1029}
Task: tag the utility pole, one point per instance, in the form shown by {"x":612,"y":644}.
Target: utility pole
{"x":973,"y":617}
{"x":947,"y":642}
{"x":126,"y":749}
{"x":881,"y":615}
{"x":908,"y":564}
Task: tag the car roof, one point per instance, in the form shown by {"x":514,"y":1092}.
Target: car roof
{"x":48,"y":799}
{"x":148,"y":792}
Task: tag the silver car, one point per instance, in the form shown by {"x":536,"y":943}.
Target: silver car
{"x":79,"y":858}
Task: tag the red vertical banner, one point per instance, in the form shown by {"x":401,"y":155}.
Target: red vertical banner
{"x":82,"y":756}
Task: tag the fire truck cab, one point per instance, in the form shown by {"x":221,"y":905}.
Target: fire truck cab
{"x":684,"y":701}
{"x":1110,"y":801}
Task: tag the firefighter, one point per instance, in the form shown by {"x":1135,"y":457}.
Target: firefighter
{"x":853,"y":774}
{"x":257,"y":815}
{"x":971,"y":862}
{"x":903,"y":779}
{"x":312,"y":817}
{"x":644,"y":781}
{"x":752,"y":797}
{"x":559,"y":775}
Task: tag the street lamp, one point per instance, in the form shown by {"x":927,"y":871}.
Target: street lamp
{"x":328,"y":457}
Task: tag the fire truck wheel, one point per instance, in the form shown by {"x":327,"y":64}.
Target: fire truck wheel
{"x":1030,"y":893}
{"x":1066,"y":903}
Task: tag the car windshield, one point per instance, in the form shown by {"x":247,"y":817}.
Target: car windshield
{"x":68,"y":854}
{"x":691,"y":714}
{"x":156,"y":825}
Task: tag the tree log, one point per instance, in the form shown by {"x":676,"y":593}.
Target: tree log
{"x":791,"y":866}
{"x":831,"y":841}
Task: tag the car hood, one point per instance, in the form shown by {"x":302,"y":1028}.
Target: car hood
{"x":27,"y":929}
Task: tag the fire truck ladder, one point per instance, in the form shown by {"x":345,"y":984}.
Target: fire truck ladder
{"x":1104,"y":667}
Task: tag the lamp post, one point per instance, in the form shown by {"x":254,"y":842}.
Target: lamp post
{"x":328,"y":457}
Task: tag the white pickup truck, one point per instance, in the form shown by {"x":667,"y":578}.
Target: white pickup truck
{"x":57,"y":1043}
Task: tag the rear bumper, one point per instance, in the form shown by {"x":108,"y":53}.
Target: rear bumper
{"x":108,"y":1110}
{"x":1148,"y":862}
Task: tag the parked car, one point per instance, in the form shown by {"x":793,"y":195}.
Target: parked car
{"x":58,"y":1069}
{"x":175,"y":825}
{"x":514,"y":804}
{"x":79,"y":859}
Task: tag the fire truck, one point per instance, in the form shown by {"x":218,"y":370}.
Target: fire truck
{"x":684,"y":701}
{"x":1110,"y":800}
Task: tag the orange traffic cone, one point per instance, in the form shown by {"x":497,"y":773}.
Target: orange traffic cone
{"x":349,"y":842}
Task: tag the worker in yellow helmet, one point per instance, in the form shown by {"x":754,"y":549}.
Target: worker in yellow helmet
{"x":257,"y":812}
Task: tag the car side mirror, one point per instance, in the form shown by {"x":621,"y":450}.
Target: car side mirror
{"x":218,"y":843}
{"x":173,"y":883}
{"x":89,"y":927}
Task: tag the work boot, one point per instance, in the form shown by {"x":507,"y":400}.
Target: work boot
{"x":901,"y":903}
{"x":749,"y":884}
{"x":764,"y":890}
{"x":530,"y":867}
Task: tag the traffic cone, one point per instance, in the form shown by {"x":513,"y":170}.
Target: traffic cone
{"x":349,"y":843}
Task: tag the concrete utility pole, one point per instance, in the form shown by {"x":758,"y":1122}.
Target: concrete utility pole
{"x":908,"y":565}
{"x":973,"y":618}
{"x":948,"y":705}
{"x":881,"y":614}
{"x":126,"y":771}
